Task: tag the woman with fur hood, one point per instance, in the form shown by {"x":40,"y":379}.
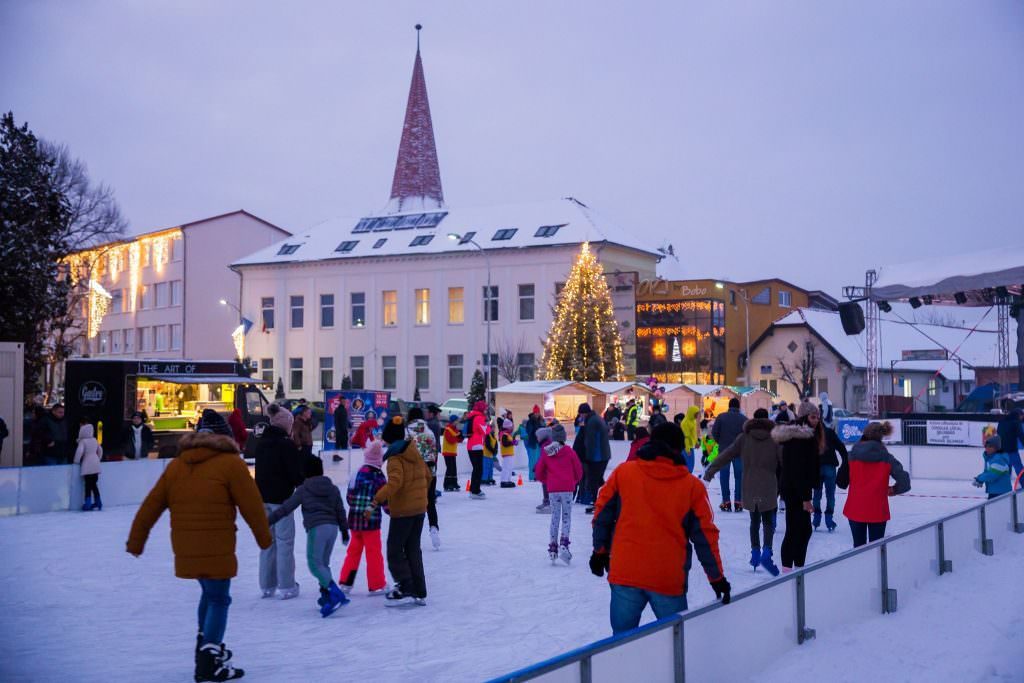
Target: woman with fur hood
{"x":89,"y":453}
{"x":871,"y":467}
{"x":801,"y":445}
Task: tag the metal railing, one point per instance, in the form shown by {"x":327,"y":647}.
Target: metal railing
{"x":887,"y":597}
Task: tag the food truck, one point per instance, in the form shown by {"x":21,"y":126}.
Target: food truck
{"x":172,"y":394}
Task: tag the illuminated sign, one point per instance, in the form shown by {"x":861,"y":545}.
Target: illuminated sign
{"x":661,"y":287}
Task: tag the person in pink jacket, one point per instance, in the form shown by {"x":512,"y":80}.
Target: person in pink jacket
{"x":559,"y":469}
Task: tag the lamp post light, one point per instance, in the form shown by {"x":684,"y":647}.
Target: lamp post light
{"x":487,"y":309}
{"x":225,"y":302}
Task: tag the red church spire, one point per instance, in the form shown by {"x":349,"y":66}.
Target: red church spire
{"x":417,"y":182}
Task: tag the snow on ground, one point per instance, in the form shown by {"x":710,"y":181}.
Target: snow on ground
{"x":76,"y":603}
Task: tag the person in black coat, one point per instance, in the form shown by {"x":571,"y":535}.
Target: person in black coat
{"x":341,"y":425}
{"x":800,"y":474}
{"x":137,"y":438}
{"x":829,"y":461}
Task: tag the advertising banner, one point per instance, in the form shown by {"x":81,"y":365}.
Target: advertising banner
{"x":359,"y":403}
{"x":958,"y":432}
{"x":850,"y":429}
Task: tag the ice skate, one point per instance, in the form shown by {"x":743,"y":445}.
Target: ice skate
{"x":830,"y":522}
{"x":738,"y":507}
{"x":563,"y":552}
{"x":553,"y":552}
{"x":477,"y":496}
{"x":544,"y":509}
{"x":87,"y":505}
{"x":396,"y":598}
{"x":379,"y":591}
{"x":726,"y":506}
{"x":289,"y":593}
{"x":816,"y":520}
{"x":325,"y":596}
{"x":767,"y":563}
{"x":212,"y":666}
{"x":419,"y":602}
{"x":435,"y":537}
{"x":225,"y":654}
{"x":755,"y":558}
{"x":268,"y":592}
{"x":336,"y":599}
{"x":508,"y":484}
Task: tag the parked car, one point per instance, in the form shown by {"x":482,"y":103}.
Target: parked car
{"x":454,"y":406}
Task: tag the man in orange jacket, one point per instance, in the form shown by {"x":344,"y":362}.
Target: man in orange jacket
{"x":654,"y":509}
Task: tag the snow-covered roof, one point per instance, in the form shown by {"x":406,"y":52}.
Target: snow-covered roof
{"x":613,"y":387}
{"x":513,"y":226}
{"x":977,"y":349}
{"x":705,"y":389}
{"x":535,"y":387}
{"x":954,"y":272}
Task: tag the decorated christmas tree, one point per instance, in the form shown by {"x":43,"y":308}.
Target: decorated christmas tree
{"x":477,"y":388}
{"x":583,"y":342}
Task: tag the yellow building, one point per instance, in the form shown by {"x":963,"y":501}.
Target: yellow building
{"x":696,"y":331}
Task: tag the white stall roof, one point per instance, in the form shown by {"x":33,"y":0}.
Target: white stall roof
{"x":705,"y":389}
{"x":613,"y":387}
{"x":534,"y":387}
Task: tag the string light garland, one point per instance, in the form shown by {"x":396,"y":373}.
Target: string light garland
{"x":583,"y":342}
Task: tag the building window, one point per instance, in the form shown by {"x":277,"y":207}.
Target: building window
{"x":126,"y":301}
{"x":422,"y":306}
{"x":527,"y":367}
{"x":144,"y":254}
{"x":421,"y":240}
{"x":267,"y":306}
{"x":548,"y":230}
{"x":455,"y":371}
{"x":762,"y":297}
{"x":493,"y":368}
{"x":175,"y":292}
{"x":390,"y":308}
{"x":932,"y":387}
{"x":267,"y":369}
{"x":116,"y":301}
{"x":467,"y":237}
{"x":380,"y":243}
{"x":326,"y":372}
{"x":389,"y":371}
{"x":145,"y":339}
{"x":456,"y":306}
{"x":288,"y":249}
{"x":297,"y":305}
{"x":422,"y":365}
{"x":358,"y":300}
{"x":115,"y":341}
{"x":732,"y":297}
{"x":526,"y":302}
{"x":347,"y":246}
{"x":490,"y":303}
{"x":174,"y":248}
{"x":908,"y":389}
{"x":161,"y":291}
{"x":766,"y":369}
{"x":144,"y":301}
{"x":785,"y":299}
{"x":773,"y":386}
{"x":129,"y":341}
{"x":356,"y":371}
{"x":822,"y":385}
{"x":327,"y":311}
{"x":504,"y":234}
{"x":175,"y":337}
{"x":295,"y":374}
{"x":162,"y":336}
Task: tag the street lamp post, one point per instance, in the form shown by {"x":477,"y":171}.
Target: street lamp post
{"x":487,"y":310}
{"x":225,"y":302}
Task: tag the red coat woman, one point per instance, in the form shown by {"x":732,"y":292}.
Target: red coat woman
{"x":871,"y":466}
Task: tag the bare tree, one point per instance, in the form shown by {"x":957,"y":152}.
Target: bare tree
{"x":800,"y":371}
{"x":508,"y":358}
{"x":937,"y":316}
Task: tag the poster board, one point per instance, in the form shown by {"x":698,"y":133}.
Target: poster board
{"x":359,"y":403}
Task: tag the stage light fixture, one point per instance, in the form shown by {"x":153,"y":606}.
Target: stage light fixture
{"x":884,"y":307}
{"x":915,"y":302}
{"x":1002,"y":292}
{"x":960,"y":298}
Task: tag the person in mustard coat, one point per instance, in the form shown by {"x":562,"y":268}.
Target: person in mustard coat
{"x":204,"y":486}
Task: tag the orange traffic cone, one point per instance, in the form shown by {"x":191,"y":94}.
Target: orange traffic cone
{"x":467,"y":485}
{"x":520,"y":482}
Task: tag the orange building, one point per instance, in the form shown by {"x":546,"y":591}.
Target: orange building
{"x":696,"y":331}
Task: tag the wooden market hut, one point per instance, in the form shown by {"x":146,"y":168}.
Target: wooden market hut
{"x":556,"y":398}
{"x":606,"y":393}
{"x":677,"y":398}
{"x":714,"y":398}
{"x":752,"y":398}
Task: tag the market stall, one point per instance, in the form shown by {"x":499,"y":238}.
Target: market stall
{"x":617,"y":393}
{"x":677,"y":398}
{"x":752,"y":398}
{"x":556,"y":398}
{"x":714,"y":398}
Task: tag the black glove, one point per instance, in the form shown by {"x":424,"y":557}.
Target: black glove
{"x":345,"y":536}
{"x":599,"y":563}
{"x":722,"y":590}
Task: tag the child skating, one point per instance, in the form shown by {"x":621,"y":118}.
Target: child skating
{"x":365,"y":530}
{"x":559,"y":469}
{"x":88,"y":454}
{"x":996,"y":475}
{"x":508,"y":454}
{"x":450,"y":440}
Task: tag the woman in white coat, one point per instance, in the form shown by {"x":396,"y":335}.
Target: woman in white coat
{"x":88,"y":454}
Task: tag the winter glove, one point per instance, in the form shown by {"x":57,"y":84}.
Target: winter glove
{"x":722,"y":590}
{"x":976,"y":483}
{"x":599,"y":563}
{"x":345,"y":536}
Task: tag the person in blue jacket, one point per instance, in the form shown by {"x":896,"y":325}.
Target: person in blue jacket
{"x":1011,"y":433}
{"x":996,"y":475}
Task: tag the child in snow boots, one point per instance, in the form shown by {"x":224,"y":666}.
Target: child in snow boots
{"x":365,"y":530}
{"x":559,"y":469}
{"x":996,"y":476}
{"x":88,"y":454}
{"x":450,"y":440}
{"x":508,"y":453}
{"x":323,"y":514}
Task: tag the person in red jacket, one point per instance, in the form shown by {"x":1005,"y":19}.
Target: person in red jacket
{"x":642,"y":437}
{"x":871,"y":466}
{"x":647,"y":515}
{"x":477,"y":431}
{"x":237,"y":424}
{"x":559,"y":470}
{"x":364,"y":432}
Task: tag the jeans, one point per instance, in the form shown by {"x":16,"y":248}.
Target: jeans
{"x":866,"y":531}
{"x":627,"y":606}
{"x":828,"y":478}
{"x":476,"y":459}
{"x":723,"y":478}
{"x":798,"y":533}
{"x":405,"y":559}
{"x":277,"y":563}
{"x":533,"y":455}
{"x":691,"y":461}
{"x":213,"y":609}
{"x":762,"y":520}
{"x":488,"y":469}
{"x":370,"y":542}
{"x":451,"y":473}
{"x":1015,"y":464}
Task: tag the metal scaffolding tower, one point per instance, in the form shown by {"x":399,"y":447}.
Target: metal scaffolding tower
{"x":1002,"y":304}
{"x":872,"y":320}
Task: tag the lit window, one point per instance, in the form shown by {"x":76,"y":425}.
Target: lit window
{"x":548,"y":230}
{"x":326,"y":372}
{"x":490,"y":304}
{"x":504,"y":234}
{"x":380,"y":243}
{"x":422,"y":306}
{"x":422,"y":365}
{"x":455,"y":371}
{"x":526,"y":302}
{"x":785,"y":299}
{"x":356,"y":371}
{"x":267,"y":310}
{"x":358,"y":300}
{"x":326,"y":311}
{"x":389,"y":371}
{"x":297,"y":306}
{"x":287,"y":249}
{"x":347,"y":246}
{"x":456,"y":306}
{"x":421,"y":240}
{"x":295,"y":374}
{"x":390,"y":308}
{"x":932,"y":387}
{"x":267,"y":369}
{"x":908,"y":389}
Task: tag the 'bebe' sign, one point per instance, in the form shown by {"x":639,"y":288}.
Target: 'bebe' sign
{"x":659,"y":287}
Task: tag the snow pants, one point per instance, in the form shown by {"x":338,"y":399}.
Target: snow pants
{"x":405,"y":559}
{"x":506,"y":468}
{"x":487,"y":475}
{"x":277,"y":563}
{"x":319,"y":544}
{"x":370,"y":542}
{"x":213,"y":609}
{"x":798,"y":533}
{"x":561,"y":515}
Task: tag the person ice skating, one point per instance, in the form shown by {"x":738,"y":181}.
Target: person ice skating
{"x":534,"y":421}
{"x":762,"y":459}
{"x":323,"y":517}
{"x":800,"y":474}
{"x":560,"y":471}
{"x":365,"y":430}
{"x":1011,"y":434}
{"x":137,"y":438}
{"x":647,"y":514}
{"x":365,"y":530}
{"x":88,"y":453}
{"x":871,"y":466}
{"x":708,"y":446}
{"x":642,"y":437}
{"x":597,"y":449}
{"x":450,"y":440}
{"x":212,"y":421}
{"x":829,"y":460}
{"x":279,"y":469}
{"x":476,"y":430}
{"x":827,"y":410}
{"x":726,"y":428}
{"x":423,"y":437}
{"x":341,"y":426}
{"x":996,"y":475}
{"x":203,"y":487}
{"x":507,"y":449}
{"x":238,"y":430}
{"x":559,"y":436}
{"x":302,"y":431}
{"x":406,"y":496}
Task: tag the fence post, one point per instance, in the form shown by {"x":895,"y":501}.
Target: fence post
{"x":985,"y":544}
{"x":1015,"y":526}
{"x":888,"y":594}
{"x":802,"y":632}
{"x":679,"y":651}
{"x":945,"y":566}
{"x":585,"y":671}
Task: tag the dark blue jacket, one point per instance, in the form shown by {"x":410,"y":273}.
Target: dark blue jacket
{"x":727,"y":427}
{"x":595,"y":439}
{"x":1011,"y":430}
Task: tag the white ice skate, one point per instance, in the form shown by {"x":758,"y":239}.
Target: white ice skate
{"x":564,"y":555}
{"x":435,"y":538}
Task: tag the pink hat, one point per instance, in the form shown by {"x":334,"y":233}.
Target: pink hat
{"x":374,"y":454}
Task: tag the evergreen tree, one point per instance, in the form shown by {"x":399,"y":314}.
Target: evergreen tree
{"x":477,"y":388}
{"x":583,"y":342}
{"x":279,"y":392}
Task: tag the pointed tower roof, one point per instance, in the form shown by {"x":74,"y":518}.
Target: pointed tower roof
{"x":417,"y":182}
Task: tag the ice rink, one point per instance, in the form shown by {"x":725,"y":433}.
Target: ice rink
{"x":76,"y":605}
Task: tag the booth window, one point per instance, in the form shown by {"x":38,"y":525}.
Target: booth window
{"x":390,"y":308}
{"x":527,"y":366}
{"x":295,"y":374}
{"x":422,"y":365}
{"x":358,"y":300}
{"x":455,"y":371}
{"x":267,"y":369}
{"x":389,"y":371}
{"x":267,"y":306}
{"x":526,"y":302}
{"x":297,"y":305}
{"x":356,"y":371}
{"x":326,"y":372}
{"x":326,"y":311}
{"x":422,"y":297}
{"x":456,"y":305}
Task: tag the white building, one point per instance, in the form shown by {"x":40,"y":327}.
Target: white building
{"x":392,"y":302}
{"x":924,"y":366}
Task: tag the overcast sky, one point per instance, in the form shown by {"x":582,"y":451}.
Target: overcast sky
{"x":802,"y":139}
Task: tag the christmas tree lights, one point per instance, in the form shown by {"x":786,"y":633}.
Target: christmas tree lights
{"x":583,"y":342}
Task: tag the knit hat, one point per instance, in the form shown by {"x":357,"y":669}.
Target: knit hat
{"x":280,"y":418}
{"x":394,"y":430}
{"x":995,"y":442}
{"x":583,"y":409}
{"x":374,"y":454}
{"x":536,"y":408}
{"x":480,"y":407}
{"x":453,"y":418}
{"x":558,"y":432}
{"x":544,"y":435}
{"x":807,"y":408}
{"x":669,"y":434}
{"x":507,"y":424}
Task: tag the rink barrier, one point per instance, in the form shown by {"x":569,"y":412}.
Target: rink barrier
{"x":812,"y":599}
